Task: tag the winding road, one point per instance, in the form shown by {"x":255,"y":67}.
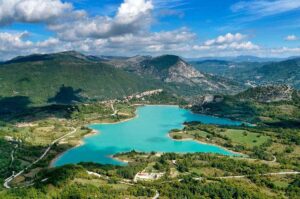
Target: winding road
{"x":13,"y":176}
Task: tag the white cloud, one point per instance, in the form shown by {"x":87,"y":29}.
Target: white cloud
{"x":181,"y":42}
{"x":285,"y":51}
{"x":131,"y":10}
{"x":223,"y":39}
{"x":170,"y":4}
{"x":262,"y":8}
{"x":10,"y":41}
{"x":14,"y":44}
{"x":291,"y":38}
{"x":127,"y":33}
{"x":32,"y":11}
{"x":133,"y":16}
{"x":228,"y":41}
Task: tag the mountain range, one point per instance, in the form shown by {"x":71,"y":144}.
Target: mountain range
{"x":174,"y":70}
{"x":71,"y":76}
{"x":41,"y":78}
{"x":242,"y":58}
{"x":254,"y":73}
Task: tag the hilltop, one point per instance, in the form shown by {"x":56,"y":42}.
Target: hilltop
{"x":271,"y":105}
{"x":284,"y":72}
{"x":174,"y":70}
{"x":268,"y":94}
{"x":71,"y":75}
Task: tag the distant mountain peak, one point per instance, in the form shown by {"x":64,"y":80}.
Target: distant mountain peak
{"x":170,"y":68}
{"x":71,"y":53}
{"x":175,"y":70}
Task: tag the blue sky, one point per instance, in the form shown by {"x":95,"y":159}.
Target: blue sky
{"x":190,"y":28}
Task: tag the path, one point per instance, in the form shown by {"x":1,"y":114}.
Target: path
{"x":156,"y":195}
{"x":12,"y":155}
{"x":113,"y":109}
{"x":13,"y":176}
{"x":274,"y":158}
{"x":267,"y":174}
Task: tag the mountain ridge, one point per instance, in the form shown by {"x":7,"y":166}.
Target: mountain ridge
{"x":173,"y":69}
{"x":255,"y":73}
{"x":41,"y":77}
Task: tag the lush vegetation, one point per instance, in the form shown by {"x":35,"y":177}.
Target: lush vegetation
{"x":262,"y":105}
{"x":66,"y":78}
{"x":193,"y":176}
{"x":271,"y":146}
{"x":255,"y":73}
{"x":263,"y":143}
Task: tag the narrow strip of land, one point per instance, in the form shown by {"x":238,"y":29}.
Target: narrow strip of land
{"x":13,"y":176}
{"x":267,"y":174}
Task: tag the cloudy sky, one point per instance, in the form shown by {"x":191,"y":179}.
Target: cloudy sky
{"x":189,"y":28}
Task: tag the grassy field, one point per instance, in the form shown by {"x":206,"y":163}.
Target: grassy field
{"x":246,"y":138}
{"x":31,"y":138}
{"x":266,"y":144}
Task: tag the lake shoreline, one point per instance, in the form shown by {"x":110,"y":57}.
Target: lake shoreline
{"x":201,"y":142}
{"x":92,"y":133}
{"x":96,"y":132}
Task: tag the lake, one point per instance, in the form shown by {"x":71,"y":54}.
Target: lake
{"x":145,"y":133}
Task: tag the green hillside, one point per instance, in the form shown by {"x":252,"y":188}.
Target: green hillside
{"x":162,"y":63}
{"x":287,"y":72}
{"x":180,"y":76}
{"x":228,"y":69}
{"x":271,"y":105}
{"x":255,"y":73}
{"x":66,"y":77}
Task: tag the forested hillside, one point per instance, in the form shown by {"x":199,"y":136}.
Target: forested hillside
{"x":67,"y":77}
{"x":271,"y":105}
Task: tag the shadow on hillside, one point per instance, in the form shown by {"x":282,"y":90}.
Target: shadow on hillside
{"x":66,"y":95}
{"x":21,"y":109}
{"x":31,"y":58}
{"x":284,"y":124}
{"x":14,"y":104}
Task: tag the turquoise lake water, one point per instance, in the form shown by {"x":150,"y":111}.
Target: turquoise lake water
{"x":146,"y":133}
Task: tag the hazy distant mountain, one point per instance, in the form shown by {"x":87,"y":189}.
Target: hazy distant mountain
{"x":254,"y":73}
{"x":284,"y":72}
{"x":224,"y":68}
{"x":243,"y":58}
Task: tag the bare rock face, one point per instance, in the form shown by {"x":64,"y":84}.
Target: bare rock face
{"x":181,"y":72}
{"x":208,"y":99}
{"x":269,"y":93}
{"x":173,"y":69}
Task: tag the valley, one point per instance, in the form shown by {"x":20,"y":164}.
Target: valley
{"x":256,"y":157}
{"x":256,"y":72}
{"x":149,"y":99}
